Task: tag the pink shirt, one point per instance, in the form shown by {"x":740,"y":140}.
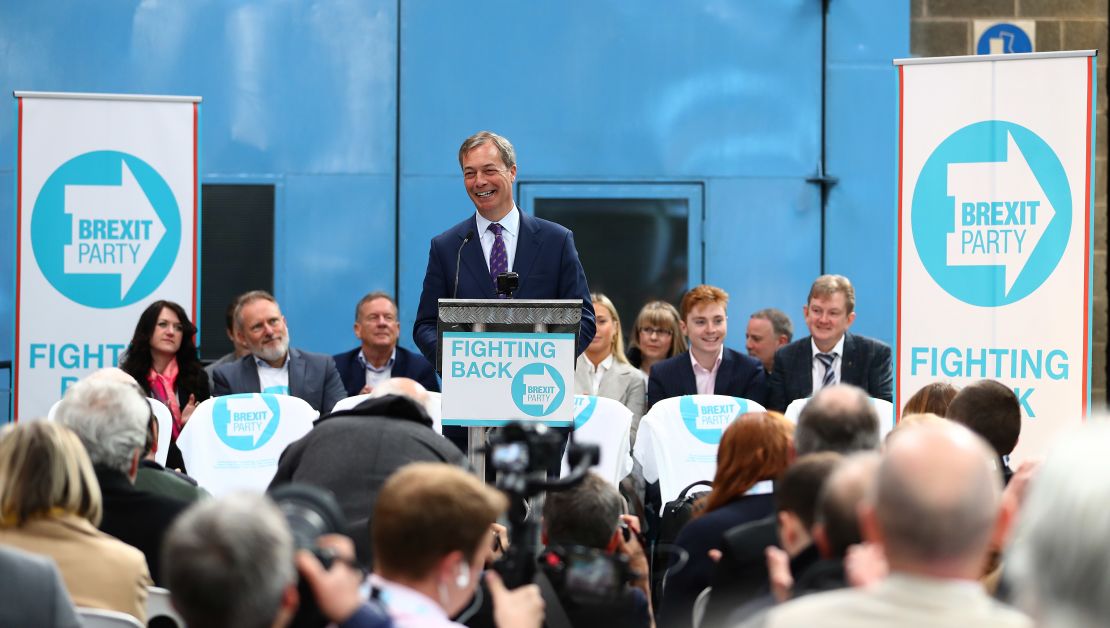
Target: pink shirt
{"x":706,"y":380}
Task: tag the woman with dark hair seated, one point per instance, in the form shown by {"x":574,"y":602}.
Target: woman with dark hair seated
{"x":755,"y":449}
{"x":162,"y":357}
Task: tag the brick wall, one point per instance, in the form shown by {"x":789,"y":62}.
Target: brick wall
{"x":944,"y":28}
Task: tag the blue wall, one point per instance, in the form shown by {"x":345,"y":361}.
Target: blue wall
{"x":723,"y":94}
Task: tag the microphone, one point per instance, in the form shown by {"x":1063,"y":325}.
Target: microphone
{"x":458,"y":262}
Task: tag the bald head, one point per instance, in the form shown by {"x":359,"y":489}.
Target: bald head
{"x":937,"y":499}
{"x":838,"y":418}
{"x":402,"y":387}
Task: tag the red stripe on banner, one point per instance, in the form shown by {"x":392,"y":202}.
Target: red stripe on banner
{"x":898,"y":297}
{"x":196,"y":191}
{"x":18,"y":254}
{"x":1087,"y":237}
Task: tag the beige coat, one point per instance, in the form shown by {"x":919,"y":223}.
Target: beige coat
{"x":98,"y":570}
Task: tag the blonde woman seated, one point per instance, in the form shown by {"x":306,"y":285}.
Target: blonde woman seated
{"x":656,"y":336}
{"x":603,"y":370}
{"x":50,"y":505}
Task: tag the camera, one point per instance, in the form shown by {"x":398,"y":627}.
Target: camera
{"x":587,"y":575}
{"x":521,"y":448}
{"x":311,"y":512}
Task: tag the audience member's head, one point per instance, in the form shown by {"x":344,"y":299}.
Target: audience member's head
{"x":936,"y":502}
{"x":931,"y":398}
{"x":587,"y":514}
{"x":260,"y":326}
{"x":838,"y":418}
{"x":111,"y":420}
{"x":796,"y":498}
{"x":768,"y":329}
{"x":837,"y":517}
{"x":44,"y":470}
{"x":377,"y":325}
{"x":229,"y":563}
{"x":705,"y":319}
{"x":608,"y":339}
{"x":237,"y":344}
{"x":755,"y":447}
{"x":657,"y":334}
{"x":402,"y":387}
{"x":910,"y":420}
{"x":830,"y":310}
{"x":1057,"y":560}
{"x":431,"y":531}
{"x":991,"y":410}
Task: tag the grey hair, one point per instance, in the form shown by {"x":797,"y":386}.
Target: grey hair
{"x":109,"y":417}
{"x":587,"y":514}
{"x":504,"y":146}
{"x":839,"y":418}
{"x":780,"y":322}
{"x":1056,"y":560}
{"x":228,"y":562}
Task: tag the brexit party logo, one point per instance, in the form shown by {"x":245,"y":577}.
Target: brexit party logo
{"x":707,"y":422}
{"x":538,"y":389}
{"x":991,"y":213}
{"x":106,"y":229}
{"x":247,"y":421}
{"x":584,"y":406}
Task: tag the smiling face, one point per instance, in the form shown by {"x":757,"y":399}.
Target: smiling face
{"x":262,"y":328}
{"x":488,"y":182}
{"x":762,"y":342}
{"x":828,"y":318}
{"x":168,"y":333}
{"x":377,"y":325}
{"x":706,"y":326}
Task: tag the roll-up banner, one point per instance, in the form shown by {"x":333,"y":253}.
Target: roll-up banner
{"x":107,"y":216}
{"x":995,"y":222}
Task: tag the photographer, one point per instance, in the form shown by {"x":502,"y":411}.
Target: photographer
{"x":594,"y":558}
{"x":230,"y":563}
{"x":431,"y":537}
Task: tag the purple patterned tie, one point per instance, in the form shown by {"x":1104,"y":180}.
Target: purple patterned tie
{"x":498,"y":258}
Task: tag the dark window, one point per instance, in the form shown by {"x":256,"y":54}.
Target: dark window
{"x":237,"y":254}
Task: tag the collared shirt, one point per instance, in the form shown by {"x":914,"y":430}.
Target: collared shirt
{"x":597,"y":372}
{"x":510,"y":231}
{"x":819,"y":369}
{"x":706,"y":380}
{"x":273,"y":380}
{"x":410,"y":608}
{"x":374,"y":374}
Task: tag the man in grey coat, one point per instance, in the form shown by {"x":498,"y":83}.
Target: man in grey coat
{"x":33,"y":593}
{"x":352,"y":452}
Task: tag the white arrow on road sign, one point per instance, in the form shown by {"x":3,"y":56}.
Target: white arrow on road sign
{"x":115,"y":229}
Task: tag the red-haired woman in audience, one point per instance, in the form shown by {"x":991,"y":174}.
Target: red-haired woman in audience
{"x":50,"y":505}
{"x":162,"y":357}
{"x":656,"y":336}
{"x":755,"y":449}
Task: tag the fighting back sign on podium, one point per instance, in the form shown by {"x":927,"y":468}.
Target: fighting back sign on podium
{"x":505,"y":360}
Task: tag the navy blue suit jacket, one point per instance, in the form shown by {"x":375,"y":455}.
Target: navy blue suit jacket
{"x":546,"y":261}
{"x":866,"y":363}
{"x":406,"y":364}
{"x":738,"y":376}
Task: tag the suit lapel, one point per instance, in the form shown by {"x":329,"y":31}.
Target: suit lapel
{"x":689,"y":382}
{"x":528,"y":245}
{"x":724,"y":374}
{"x":475,"y":263}
{"x":804,"y":373}
{"x":249,"y":372}
{"x":849,"y":362}
{"x":296,"y":373}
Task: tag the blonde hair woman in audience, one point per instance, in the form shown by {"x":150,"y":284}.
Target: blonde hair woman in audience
{"x":656,"y":336}
{"x":603,"y":370}
{"x":50,"y":505}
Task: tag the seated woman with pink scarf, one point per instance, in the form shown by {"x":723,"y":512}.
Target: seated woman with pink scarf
{"x":162,"y":357}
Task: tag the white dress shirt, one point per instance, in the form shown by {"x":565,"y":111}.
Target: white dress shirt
{"x":819,"y":369}
{"x":510,"y":231}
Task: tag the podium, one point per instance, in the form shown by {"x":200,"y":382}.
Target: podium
{"x":505,"y":360}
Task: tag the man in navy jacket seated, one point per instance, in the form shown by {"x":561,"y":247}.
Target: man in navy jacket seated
{"x":708,"y":368}
{"x":379,"y":358}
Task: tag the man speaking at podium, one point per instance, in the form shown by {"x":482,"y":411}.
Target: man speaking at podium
{"x":498,"y":238}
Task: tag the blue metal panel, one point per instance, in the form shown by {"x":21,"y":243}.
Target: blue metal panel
{"x":861,"y":143}
{"x":764,"y":235}
{"x":304,"y":91}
